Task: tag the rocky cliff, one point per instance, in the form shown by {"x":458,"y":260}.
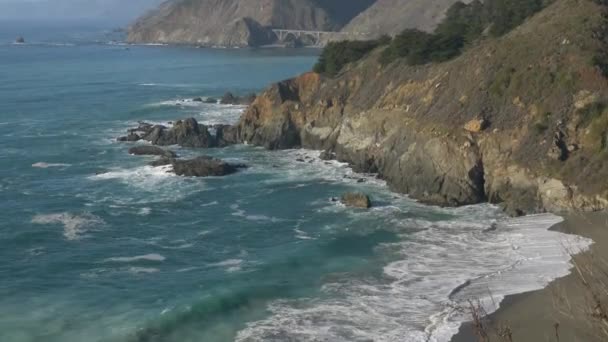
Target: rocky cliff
{"x":519,"y":120}
{"x":239,"y":22}
{"x":393,"y":16}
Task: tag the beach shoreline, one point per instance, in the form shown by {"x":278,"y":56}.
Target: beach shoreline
{"x":559,"y":308}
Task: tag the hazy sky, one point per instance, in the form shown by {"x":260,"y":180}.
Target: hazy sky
{"x":116,"y":11}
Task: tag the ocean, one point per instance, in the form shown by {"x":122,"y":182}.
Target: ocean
{"x":97,"y":246}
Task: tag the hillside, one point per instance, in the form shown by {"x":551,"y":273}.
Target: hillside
{"x":239,"y":22}
{"x":519,"y":120}
{"x":393,"y":16}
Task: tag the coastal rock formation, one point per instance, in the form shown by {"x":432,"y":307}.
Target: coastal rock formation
{"x":204,"y":167}
{"x":356,"y":200}
{"x":185,"y":133}
{"x":541,"y":145}
{"x":151,"y":151}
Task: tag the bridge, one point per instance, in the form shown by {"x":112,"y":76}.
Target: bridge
{"x":314,"y":38}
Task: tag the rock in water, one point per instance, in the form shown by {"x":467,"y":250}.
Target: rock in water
{"x":204,"y":167}
{"x":186,"y":133}
{"x":151,"y":151}
{"x":20,"y":40}
{"x":356,"y":200}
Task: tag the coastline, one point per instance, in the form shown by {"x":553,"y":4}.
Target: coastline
{"x":532,"y":316}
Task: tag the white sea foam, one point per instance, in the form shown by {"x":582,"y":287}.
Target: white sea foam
{"x":143,"y":270}
{"x":74,"y":226}
{"x":214,"y":114}
{"x":43,"y":165}
{"x":302,"y":165}
{"x":230,"y":265}
{"x":147,"y":257}
{"x":443,"y":264}
{"x":144,"y":177}
{"x":252,"y":217}
{"x":144,"y":211}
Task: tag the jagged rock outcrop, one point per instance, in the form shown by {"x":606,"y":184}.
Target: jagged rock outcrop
{"x":536,"y":89}
{"x":185,"y":133}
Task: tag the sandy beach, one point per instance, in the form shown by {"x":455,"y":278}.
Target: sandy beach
{"x":534,"y":316}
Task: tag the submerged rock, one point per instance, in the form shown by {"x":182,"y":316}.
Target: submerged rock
{"x":356,"y":200}
{"x":151,"y":151}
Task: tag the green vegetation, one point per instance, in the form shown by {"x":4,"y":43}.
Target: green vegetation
{"x":542,"y":124}
{"x":337,"y":54}
{"x":463,"y":25}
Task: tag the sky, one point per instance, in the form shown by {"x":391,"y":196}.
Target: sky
{"x":111,"y":11}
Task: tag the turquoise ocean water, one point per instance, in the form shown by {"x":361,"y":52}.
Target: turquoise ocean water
{"x":97,"y":246}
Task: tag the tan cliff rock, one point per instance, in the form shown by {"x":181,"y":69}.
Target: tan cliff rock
{"x":407,"y":123}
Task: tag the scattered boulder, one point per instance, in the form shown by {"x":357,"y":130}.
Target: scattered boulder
{"x":475,"y":125}
{"x":204,"y":167}
{"x":356,"y":200}
{"x":151,"y":151}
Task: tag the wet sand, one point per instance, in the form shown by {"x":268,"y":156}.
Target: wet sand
{"x":533,"y":316}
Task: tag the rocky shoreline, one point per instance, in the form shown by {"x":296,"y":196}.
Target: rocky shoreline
{"x":453,"y":133}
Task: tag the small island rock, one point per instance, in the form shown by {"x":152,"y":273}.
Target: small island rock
{"x":356,"y":200}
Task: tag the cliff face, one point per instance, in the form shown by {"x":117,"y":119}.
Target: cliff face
{"x":393,"y":16}
{"x":519,"y":120}
{"x":239,"y":22}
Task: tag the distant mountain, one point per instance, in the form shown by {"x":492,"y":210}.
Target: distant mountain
{"x":247,"y":22}
{"x":239,"y":22}
{"x":393,"y":16}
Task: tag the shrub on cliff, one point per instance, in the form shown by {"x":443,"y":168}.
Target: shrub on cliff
{"x":337,"y":54}
{"x":464,"y":23}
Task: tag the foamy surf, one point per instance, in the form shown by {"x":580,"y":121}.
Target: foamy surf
{"x":44,"y":165}
{"x":74,"y":226}
{"x":206,"y":113}
{"x":419,"y":297}
{"x":146,"y":257}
